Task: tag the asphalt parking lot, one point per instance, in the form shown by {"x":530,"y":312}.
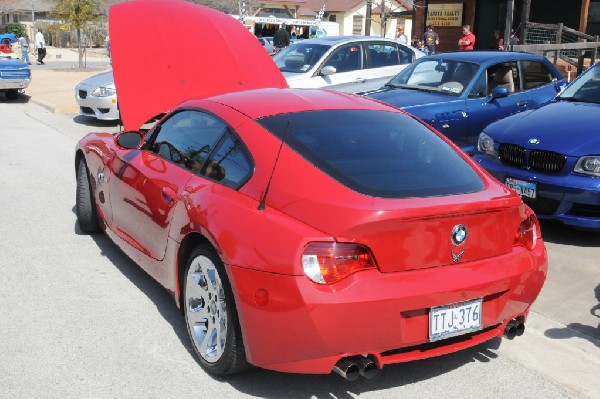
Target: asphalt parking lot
{"x":80,"y":319}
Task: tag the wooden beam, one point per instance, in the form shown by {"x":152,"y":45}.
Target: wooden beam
{"x":585,"y":6}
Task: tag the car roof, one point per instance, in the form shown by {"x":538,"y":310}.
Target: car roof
{"x":281,"y":101}
{"x":334,"y":40}
{"x":480,"y":57}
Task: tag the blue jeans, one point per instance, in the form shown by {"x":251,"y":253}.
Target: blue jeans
{"x":25,"y":56}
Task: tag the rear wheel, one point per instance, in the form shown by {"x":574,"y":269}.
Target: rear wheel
{"x":85,"y":206}
{"x":11,"y":94}
{"x":210,"y":314}
{"x":5,"y":41}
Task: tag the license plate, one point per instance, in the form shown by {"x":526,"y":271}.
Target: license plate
{"x":523,"y":188}
{"x":454,"y":319}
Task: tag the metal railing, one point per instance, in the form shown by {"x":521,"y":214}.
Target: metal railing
{"x":566,"y":44}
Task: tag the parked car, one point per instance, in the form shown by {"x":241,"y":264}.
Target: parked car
{"x":15,"y":76}
{"x":7,"y":38}
{"x":459,"y":93}
{"x":267,"y":43}
{"x":299,"y":230}
{"x":97,"y":97}
{"x":551,"y":156}
{"x":344,"y":63}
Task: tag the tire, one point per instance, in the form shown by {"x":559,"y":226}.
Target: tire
{"x":210,"y":314}
{"x":11,"y":94}
{"x":5,"y":41}
{"x":85,"y":206}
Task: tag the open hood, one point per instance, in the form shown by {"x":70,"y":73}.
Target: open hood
{"x":165,"y":52}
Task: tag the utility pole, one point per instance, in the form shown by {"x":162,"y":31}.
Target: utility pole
{"x":368,"y":20}
{"x":383,"y":18}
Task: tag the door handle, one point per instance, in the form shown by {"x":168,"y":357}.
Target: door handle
{"x":168,"y":194}
{"x":522,"y":104}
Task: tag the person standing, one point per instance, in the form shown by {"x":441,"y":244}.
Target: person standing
{"x":497,"y":40}
{"x":281,"y":38}
{"x":400,"y":36}
{"x":431,"y":39}
{"x":24,"y":49}
{"x":40,"y":45}
{"x":467,"y":41}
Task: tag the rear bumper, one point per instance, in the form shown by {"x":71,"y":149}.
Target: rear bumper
{"x":307,"y":328}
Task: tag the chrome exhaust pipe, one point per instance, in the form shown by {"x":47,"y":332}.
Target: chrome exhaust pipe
{"x":368,"y":366}
{"x":510,"y":331}
{"x":348,"y":369}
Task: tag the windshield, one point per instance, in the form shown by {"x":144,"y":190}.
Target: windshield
{"x":444,"y":76}
{"x":584,"y":89}
{"x":300,"y":57}
{"x":380,"y":154}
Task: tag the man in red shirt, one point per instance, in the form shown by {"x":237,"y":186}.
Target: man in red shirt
{"x":467,"y":41}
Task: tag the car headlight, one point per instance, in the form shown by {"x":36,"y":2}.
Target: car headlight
{"x":588,"y":165}
{"x":103,"y":92}
{"x":485,"y":145}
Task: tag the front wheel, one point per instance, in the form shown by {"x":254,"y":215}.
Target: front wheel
{"x":85,"y":206}
{"x":11,"y":94}
{"x":210,"y":314}
{"x":5,"y":41}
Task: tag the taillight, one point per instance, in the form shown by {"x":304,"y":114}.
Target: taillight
{"x":528,"y":233}
{"x":329,"y":262}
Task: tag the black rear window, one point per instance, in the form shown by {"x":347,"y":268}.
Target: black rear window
{"x":376,"y":153}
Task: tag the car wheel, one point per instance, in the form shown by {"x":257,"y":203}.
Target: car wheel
{"x":210,"y":314}
{"x":85,"y":206}
{"x":5,"y":41}
{"x":11,"y":94}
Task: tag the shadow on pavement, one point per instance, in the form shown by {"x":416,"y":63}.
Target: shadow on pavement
{"x":590,"y":333}
{"x":21,"y":99}
{"x":265,"y":383}
{"x":558,"y":233}
{"x":93,"y":122}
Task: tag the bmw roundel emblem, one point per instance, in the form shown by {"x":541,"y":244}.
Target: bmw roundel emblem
{"x":534,"y":141}
{"x":459,"y":234}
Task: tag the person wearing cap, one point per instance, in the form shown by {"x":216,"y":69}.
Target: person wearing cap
{"x":430,"y":39}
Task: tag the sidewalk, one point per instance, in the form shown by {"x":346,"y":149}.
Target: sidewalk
{"x":53,"y":84}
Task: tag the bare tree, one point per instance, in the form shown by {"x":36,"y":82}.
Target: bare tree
{"x":78,"y":13}
{"x":230,"y":6}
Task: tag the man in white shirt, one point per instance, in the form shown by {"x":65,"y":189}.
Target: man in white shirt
{"x":40,"y":45}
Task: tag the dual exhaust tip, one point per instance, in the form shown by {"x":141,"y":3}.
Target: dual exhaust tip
{"x":355,"y":366}
{"x":514,"y":328}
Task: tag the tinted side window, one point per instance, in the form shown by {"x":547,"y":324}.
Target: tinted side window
{"x":204,"y":144}
{"x":187,"y":137}
{"x":346,"y":58}
{"x":381,"y":154}
{"x":386,"y":54}
{"x":535,"y":74}
{"x":229,"y":163}
{"x":504,"y":75}
{"x":480,"y":87}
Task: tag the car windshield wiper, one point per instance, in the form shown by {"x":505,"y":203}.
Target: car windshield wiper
{"x":404,"y":86}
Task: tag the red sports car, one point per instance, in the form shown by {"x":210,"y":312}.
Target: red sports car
{"x":299,"y":230}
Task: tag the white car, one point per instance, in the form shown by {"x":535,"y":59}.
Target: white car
{"x":344,"y":63}
{"x":97,"y":97}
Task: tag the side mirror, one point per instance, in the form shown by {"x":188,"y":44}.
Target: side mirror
{"x":499,"y":92}
{"x":328,"y":70}
{"x":130,"y":140}
{"x":560,"y":85}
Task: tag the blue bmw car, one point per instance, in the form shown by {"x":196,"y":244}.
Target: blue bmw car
{"x":551,"y":155}
{"x":459,"y":93}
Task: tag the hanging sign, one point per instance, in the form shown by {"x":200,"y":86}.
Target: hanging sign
{"x":445,"y":14}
